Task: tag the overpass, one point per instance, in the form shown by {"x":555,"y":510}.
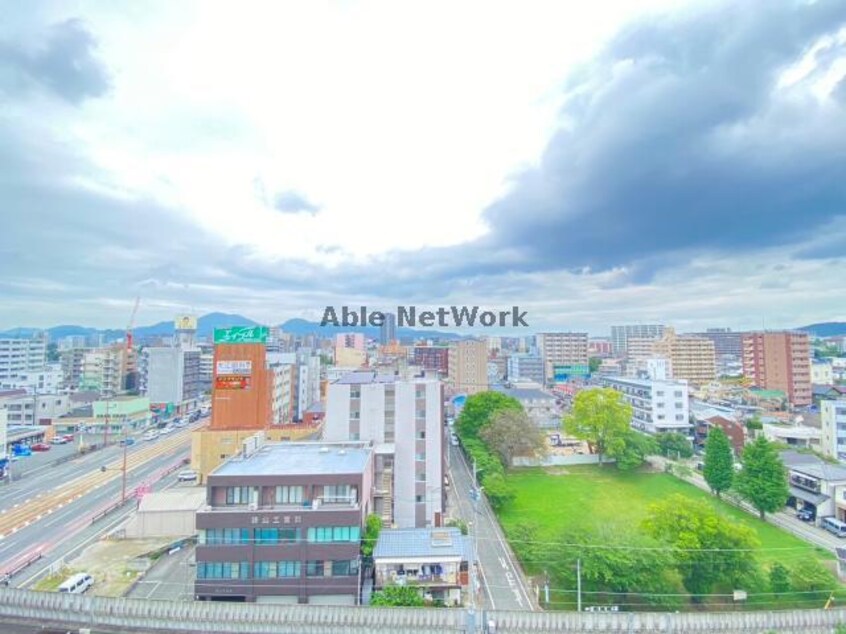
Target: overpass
{"x":137,"y":616}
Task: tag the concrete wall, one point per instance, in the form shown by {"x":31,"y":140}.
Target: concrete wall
{"x":557,"y":461}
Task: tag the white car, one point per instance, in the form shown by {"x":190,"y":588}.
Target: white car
{"x":187,"y":476}
{"x":151,"y":435}
{"x":453,"y":439}
{"x":165,"y":431}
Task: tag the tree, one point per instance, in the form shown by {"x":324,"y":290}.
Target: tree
{"x":594,"y":363}
{"x":779,"y":579}
{"x":810,"y":578}
{"x":457,"y":522}
{"x":478,"y":410}
{"x":600,"y":417}
{"x":754,"y":423}
{"x":707,"y":548}
{"x":631,"y":562}
{"x":763,"y":479}
{"x":511,"y":433}
{"x":372,"y":527}
{"x":498,"y":490}
{"x":674,"y":445}
{"x":397,"y":596}
{"x":631,"y":449}
{"x":719,"y":461}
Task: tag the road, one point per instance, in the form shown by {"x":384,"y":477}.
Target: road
{"x":59,"y":517}
{"x":502,"y":579}
{"x":170,"y":579}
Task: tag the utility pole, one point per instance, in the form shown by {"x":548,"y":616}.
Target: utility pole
{"x":123,"y":468}
{"x":578,"y":585}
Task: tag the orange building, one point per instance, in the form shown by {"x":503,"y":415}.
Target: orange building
{"x":241,"y":387}
{"x":779,"y":361}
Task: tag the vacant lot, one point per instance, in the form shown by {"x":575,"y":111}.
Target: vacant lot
{"x":556,"y":501}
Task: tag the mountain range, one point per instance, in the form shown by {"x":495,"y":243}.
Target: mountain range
{"x":207,"y":323}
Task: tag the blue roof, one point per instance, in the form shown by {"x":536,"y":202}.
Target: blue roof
{"x":430,"y":543}
{"x":299,"y":458}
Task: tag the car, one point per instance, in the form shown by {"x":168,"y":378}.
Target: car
{"x":127,"y":442}
{"x":59,"y":440}
{"x":165,"y":430}
{"x":187,"y":476}
{"x":151,"y":435}
{"x":68,"y":437}
{"x":453,"y":439}
{"x":40,"y":446}
{"x":807,"y":515}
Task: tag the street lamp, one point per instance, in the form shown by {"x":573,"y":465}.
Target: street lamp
{"x":103,"y":469}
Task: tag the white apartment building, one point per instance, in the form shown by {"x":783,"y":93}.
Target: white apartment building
{"x":282,"y":396}
{"x":21,"y":355}
{"x":822,"y":372}
{"x":169,"y":375}
{"x":33,"y":409}
{"x":404,"y":420}
{"x":525,"y":367}
{"x":46,"y":380}
{"x":306,"y":379}
{"x":833,"y":428}
{"x":657,"y":406}
{"x":620,"y":335}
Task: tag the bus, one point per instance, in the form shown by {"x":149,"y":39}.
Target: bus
{"x":834,"y":526}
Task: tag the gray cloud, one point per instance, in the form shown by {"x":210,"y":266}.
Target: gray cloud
{"x":291,"y":202}
{"x":65,"y":63}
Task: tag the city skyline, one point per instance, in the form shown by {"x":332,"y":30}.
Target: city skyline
{"x":505,"y":172}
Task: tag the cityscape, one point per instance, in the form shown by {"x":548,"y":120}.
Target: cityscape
{"x":483,"y":318}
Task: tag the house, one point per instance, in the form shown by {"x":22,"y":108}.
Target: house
{"x":816,"y":484}
{"x":540,"y":406}
{"x":436,"y":561}
{"x":793,"y":435}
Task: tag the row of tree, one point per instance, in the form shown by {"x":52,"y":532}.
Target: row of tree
{"x":762,"y":480}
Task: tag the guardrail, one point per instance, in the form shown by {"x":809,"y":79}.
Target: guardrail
{"x":138,"y":615}
{"x":18,"y":566}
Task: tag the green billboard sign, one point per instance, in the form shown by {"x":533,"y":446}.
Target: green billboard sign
{"x":241,"y":334}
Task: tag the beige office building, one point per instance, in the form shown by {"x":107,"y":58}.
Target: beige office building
{"x":468,"y":366}
{"x":692,"y":359}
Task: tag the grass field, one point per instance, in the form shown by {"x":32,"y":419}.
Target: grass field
{"x":588,"y":496}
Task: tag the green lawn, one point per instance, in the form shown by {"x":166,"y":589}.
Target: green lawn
{"x":587,"y":496}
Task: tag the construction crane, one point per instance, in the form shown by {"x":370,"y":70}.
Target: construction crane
{"x":132,"y":323}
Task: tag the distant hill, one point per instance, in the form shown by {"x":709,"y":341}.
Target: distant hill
{"x":826,"y":329}
{"x":305,"y":327}
{"x":205,"y":328}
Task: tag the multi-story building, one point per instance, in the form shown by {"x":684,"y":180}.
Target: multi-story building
{"x":404,"y":419}
{"x":306,"y":379}
{"x":816,"y":485}
{"x":388,"y":329}
{"x":206,"y":366}
{"x":71,"y":360}
{"x":639,"y":348}
{"x":71,"y":341}
{"x":541,"y":407}
{"x":282,"y":400}
{"x":657,"y":406}
{"x":27,"y":408}
{"x":170,"y":375}
{"x":691,"y":359}
{"x":562,"y":349}
{"x":779,"y":361}
{"x":468,"y":366}
{"x":726,"y":342}
{"x":283,"y":524}
{"x":822,"y":372}
{"x":353,"y":340}
{"x":833,"y":427}
{"x":620,"y":335}
{"x":108,"y":370}
{"x":21,"y":355}
{"x":432,"y":358}
{"x":46,"y":380}
{"x":525,"y":367}
{"x":600,"y":348}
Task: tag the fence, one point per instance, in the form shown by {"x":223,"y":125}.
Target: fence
{"x":136,"y":615}
{"x":558,"y":461}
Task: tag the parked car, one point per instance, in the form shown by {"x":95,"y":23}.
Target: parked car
{"x":187,"y":476}
{"x":151,"y":435}
{"x":127,"y":442}
{"x":453,"y":439}
{"x":807,"y":515}
{"x":164,"y":431}
{"x":40,"y":446}
{"x":77,"y":584}
{"x":59,"y":440}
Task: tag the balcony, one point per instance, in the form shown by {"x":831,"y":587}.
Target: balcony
{"x":803,"y":482}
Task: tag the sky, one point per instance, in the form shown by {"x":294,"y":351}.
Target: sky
{"x":619,"y":162}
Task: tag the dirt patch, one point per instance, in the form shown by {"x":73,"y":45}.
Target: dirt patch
{"x":556,"y":471}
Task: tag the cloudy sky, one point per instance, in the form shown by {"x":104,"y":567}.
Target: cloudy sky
{"x":628,"y":161}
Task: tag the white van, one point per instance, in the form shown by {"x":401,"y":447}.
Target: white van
{"x":77,"y":584}
{"x":834,"y":525}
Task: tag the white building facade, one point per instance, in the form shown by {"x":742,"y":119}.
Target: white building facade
{"x":20,"y":355}
{"x":657,"y":406}
{"x":833,"y":428}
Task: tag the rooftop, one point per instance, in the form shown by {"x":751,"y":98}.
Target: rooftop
{"x":178,"y":499}
{"x":299,"y":458}
{"x":524,"y":394}
{"x":645,"y":383}
{"x":813,"y":466}
{"x":366,"y":377}
{"x":410,"y":543}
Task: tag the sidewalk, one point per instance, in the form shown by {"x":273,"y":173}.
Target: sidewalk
{"x":783,"y":519}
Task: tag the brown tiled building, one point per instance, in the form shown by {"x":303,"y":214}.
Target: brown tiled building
{"x":779,"y":361}
{"x":283,"y":524}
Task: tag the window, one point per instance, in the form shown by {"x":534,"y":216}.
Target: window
{"x":227,"y":536}
{"x":421,"y":435}
{"x":289,"y":495}
{"x":266,"y":536}
{"x":335,"y":493}
{"x":355,"y":393}
{"x":677,"y":394}
{"x":314,"y":568}
{"x":223,"y":570}
{"x":237,"y":495}
{"x":265,"y":570}
{"x":659,"y":393}
{"x":345,"y":568}
{"x":321,"y":534}
{"x":418,"y":499}
{"x":289,"y":568}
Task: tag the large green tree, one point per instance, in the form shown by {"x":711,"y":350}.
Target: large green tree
{"x":600,"y":417}
{"x":763,"y":479}
{"x":719,"y":461}
{"x":708,"y":548}
{"x":478,"y":410}
{"x":510,"y":433}
{"x":631,"y":448}
{"x":397,"y":596}
{"x":674,"y":445}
